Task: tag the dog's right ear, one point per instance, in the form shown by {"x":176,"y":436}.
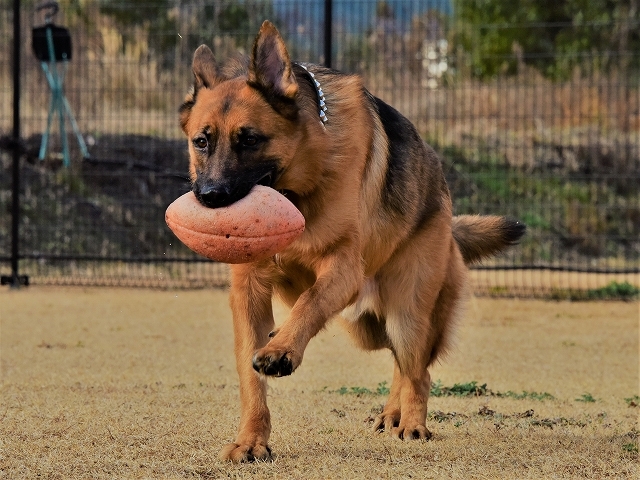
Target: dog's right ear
{"x":205,"y":74}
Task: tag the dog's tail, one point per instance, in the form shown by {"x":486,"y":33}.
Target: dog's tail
{"x":480,"y":236}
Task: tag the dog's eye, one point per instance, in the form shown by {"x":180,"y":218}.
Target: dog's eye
{"x":201,"y":143}
{"x":250,"y":141}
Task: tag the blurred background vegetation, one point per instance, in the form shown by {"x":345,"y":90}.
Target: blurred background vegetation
{"x":554,"y":36}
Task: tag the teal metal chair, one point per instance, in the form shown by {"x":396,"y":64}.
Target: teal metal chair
{"x":52,"y":47}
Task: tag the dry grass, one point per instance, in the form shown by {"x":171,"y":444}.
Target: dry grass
{"x":117,"y":383}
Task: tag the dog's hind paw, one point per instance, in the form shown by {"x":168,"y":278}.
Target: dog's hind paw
{"x":246,"y":453}
{"x":386,"y":421}
{"x":390,"y":422}
{"x":419,"y":432}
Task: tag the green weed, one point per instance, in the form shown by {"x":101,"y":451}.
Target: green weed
{"x":586,"y":398}
{"x":382,"y":389}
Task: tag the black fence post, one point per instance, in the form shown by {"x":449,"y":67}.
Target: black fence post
{"x":328,"y":31}
{"x":15,"y":280}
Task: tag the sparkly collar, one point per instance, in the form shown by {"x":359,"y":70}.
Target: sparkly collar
{"x":320,"y":93}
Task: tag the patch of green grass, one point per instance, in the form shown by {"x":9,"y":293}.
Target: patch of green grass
{"x":612,"y":291}
{"x":381,"y":389}
{"x":527,"y":395}
{"x":472,"y":389}
{"x":498,"y":290}
{"x":469,"y":389}
{"x":633,"y":401}
{"x":630,"y":447}
{"x":353,"y":391}
{"x":586,"y":398}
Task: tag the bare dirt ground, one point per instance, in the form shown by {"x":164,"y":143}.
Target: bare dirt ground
{"x":133,"y":383}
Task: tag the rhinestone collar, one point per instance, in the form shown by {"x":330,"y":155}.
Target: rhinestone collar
{"x":320,"y":93}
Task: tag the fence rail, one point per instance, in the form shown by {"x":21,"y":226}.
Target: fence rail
{"x":537,"y":120}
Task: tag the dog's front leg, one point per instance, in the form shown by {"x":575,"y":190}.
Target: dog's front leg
{"x":250,"y":299}
{"x":338,"y":279}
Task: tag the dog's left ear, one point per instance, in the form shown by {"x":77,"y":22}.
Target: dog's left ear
{"x":270,"y":68}
{"x":205,"y":68}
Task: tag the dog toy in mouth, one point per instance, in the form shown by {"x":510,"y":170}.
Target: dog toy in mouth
{"x":254,"y":228}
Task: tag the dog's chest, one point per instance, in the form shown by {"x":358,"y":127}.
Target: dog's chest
{"x":368,"y":300}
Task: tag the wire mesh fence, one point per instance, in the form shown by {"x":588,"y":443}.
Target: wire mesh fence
{"x":539,"y":120}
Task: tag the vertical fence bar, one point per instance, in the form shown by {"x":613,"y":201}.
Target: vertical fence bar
{"x":15,"y":196}
{"x":328,"y":32}
{"x":15,"y":280}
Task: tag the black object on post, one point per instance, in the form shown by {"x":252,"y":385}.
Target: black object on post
{"x":50,"y":35}
{"x":61,"y":43}
{"x":328,"y":27}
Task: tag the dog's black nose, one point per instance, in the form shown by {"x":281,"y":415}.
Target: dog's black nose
{"x":213,"y":195}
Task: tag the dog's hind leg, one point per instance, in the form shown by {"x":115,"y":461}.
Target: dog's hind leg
{"x":390,"y":416}
{"x":421,"y":295}
{"x":250,"y":299}
{"x":404,"y":415}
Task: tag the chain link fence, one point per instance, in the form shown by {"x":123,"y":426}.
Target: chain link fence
{"x":539,"y":120}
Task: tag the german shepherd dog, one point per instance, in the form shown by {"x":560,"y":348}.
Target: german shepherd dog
{"x":381,"y":247}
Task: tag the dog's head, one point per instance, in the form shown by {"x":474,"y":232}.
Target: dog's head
{"x":241,"y":120}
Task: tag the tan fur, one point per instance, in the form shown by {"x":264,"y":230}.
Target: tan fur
{"x":395,"y":270}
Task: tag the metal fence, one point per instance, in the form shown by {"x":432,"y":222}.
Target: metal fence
{"x":544,"y":128}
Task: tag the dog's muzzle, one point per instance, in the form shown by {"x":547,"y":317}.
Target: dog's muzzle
{"x":213,"y":195}
{"x":216,"y":194}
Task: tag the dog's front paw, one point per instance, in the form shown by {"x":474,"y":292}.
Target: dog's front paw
{"x":246,"y":453}
{"x":275,"y":363}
